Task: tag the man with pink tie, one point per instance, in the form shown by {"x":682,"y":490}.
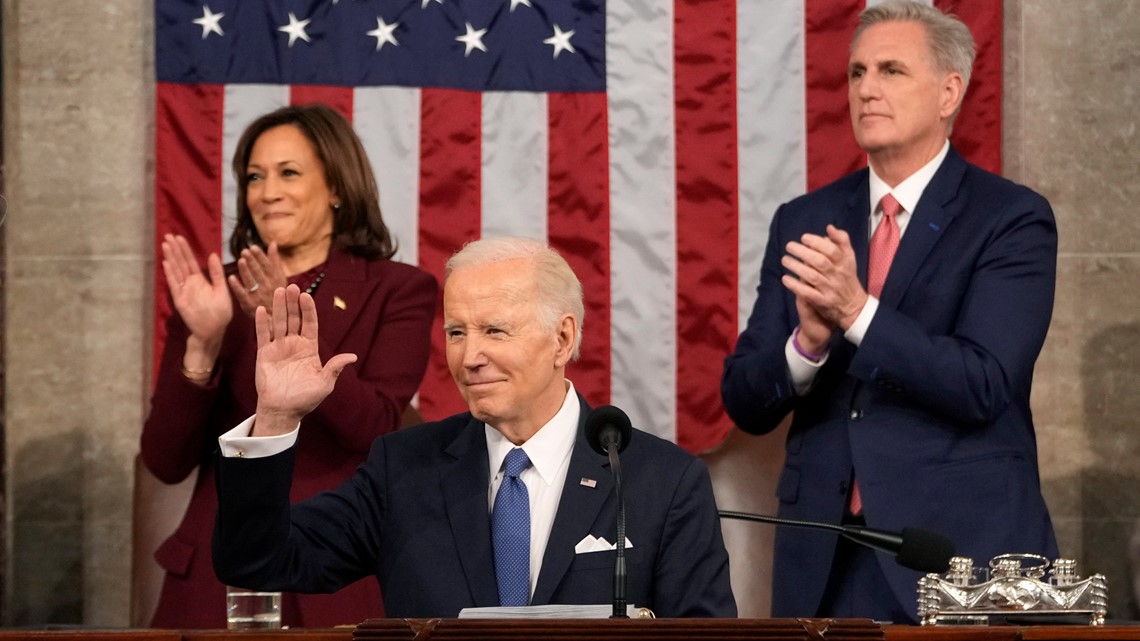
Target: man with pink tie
{"x":900,"y":312}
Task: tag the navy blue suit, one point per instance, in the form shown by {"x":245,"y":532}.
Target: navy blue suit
{"x":931,"y":411}
{"x":416,"y":516}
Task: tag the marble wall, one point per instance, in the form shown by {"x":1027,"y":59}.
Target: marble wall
{"x":77,"y":102}
{"x":78,"y":138}
{"x":1073,"y":94}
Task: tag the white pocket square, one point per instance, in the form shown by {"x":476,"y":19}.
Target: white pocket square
{"x":598,"y":544}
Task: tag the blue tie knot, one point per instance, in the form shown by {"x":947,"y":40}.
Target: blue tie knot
{"x":517,"y":461}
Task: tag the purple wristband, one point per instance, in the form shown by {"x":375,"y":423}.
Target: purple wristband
{"x":801,"y":351}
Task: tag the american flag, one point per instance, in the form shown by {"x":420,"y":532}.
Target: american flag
{"x":649,"y":141}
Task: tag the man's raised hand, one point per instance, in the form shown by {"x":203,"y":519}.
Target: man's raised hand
{"x":290,"y":379}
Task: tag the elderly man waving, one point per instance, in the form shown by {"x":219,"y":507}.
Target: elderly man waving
{"x":503,"y":505}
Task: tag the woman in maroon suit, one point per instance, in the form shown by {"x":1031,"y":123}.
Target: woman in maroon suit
{"x":309,"y":214}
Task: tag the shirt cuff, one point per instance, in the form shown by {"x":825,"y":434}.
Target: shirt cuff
{"x":858,"y":329}
{"x":803,"y":370}
{"x":237,"y":443}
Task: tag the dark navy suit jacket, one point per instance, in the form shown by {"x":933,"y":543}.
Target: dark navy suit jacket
{"x":416,"y":516}
{"x":932,"y":409}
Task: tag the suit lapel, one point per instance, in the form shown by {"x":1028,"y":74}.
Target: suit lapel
{"x":854,"y":221}
{"x":340,"y":297}
{"x":464,"y":482}
{"x":928,"y":223}
{"x":578,"y":510}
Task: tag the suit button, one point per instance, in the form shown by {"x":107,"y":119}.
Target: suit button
{"x":856,"y":414}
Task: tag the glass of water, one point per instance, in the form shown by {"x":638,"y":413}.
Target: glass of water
{"x":252,"y":610}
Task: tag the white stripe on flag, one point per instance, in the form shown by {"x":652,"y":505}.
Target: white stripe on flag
{"x":243,"y":104}
{"x":771,"y":138}
{"x":514,"y":164}
{"x":387,"y":119}
{"x":639,"y":78}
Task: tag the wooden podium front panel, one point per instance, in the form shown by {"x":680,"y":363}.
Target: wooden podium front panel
{"x":617,"y":629}
{"x":606,"y":630}
{"x":712,"y":629}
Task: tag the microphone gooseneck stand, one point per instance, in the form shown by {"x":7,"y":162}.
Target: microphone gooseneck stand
{"x":913,"y":548}
{"x":608,"y":432}
{"x":619,"y":557}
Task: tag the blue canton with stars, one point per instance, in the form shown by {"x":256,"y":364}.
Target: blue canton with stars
{"x":479,"y":45}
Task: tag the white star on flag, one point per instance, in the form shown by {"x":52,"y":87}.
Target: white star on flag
{"x":383,"y":33}
{"x":295,"y":29}
{"x":210,"y":22}
{"x":560,"y":40}
{"x":515,"y":3}
{"x":473,"y":39}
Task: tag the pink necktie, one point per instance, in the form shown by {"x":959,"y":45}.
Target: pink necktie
{"x":884,"y":244}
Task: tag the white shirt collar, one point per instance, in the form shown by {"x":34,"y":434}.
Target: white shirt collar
{"x":910,"y":190}
{"x":550,"y":445}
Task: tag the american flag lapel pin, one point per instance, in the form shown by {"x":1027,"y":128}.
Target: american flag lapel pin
{"x":588,"y":482}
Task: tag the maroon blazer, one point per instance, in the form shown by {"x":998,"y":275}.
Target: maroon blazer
{"x":378,"y":309}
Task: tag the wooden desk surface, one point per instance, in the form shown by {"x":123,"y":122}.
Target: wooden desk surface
{"x":735,"y":629}
{"x":604,"y":630}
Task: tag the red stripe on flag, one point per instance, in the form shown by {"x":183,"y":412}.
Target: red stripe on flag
{"x":705,"y":103}
{"x":977,"y":131}
{"x":450,"y":161}
{"x":187,"y":180}
{"x":578,"y":223}
{"x":339,"y":98}
{"x":831,"y":148}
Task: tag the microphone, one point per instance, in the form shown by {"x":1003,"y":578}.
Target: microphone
{"x":914,"y":548}
{"x":608,"y":425}
{"x":608,"y":431}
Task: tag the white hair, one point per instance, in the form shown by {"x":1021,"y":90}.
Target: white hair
{"x":559,"y":290}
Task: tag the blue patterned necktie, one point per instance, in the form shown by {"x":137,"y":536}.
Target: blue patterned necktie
{"x":510,"y":532}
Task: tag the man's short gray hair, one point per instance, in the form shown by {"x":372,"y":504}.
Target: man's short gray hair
{"x":559,"y":290}
{"x":951,"y":44}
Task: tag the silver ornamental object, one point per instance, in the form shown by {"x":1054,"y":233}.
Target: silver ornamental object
{"x":1013,"y":584}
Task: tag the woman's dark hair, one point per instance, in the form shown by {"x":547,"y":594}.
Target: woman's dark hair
{"x":358,"y":226}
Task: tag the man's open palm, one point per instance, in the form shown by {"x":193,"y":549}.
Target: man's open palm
{"x":290,"y":379}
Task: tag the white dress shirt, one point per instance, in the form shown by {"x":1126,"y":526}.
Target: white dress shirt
{"x":549,"y":453}
{"x":907,"y":193}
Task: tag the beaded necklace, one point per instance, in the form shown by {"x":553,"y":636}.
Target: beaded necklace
{"x":314,"y":274}
{"x":316,"y":283}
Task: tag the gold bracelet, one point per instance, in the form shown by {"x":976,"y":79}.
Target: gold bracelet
{"x":197,"y":375}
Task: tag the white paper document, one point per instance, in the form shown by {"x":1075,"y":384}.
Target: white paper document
{"x":591,"y":611}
